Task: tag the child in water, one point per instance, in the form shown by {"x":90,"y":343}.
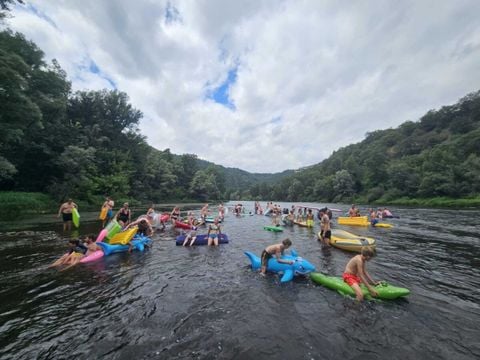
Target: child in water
{"x":277,"y":250}
{"x":356,"y":273}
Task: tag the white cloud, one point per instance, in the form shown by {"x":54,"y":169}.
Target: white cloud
{"x":329,"y":71}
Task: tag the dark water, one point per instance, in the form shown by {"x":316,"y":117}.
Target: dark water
{"x":205,"y":303}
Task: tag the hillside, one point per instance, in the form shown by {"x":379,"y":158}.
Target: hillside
{"x":437,"y":156}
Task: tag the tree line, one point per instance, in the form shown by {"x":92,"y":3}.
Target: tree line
{"x":83,"y":144}
{"x":87,"y":144}
{"x":438,"y":156}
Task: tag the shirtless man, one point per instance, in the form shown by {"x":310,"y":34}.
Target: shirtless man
{"x":221,"y":211}
{"x":356,"y":273}
{"x":276,"y":250}
{"x":204,"y":212}
{"x":326,"y":231}
{"x":373,"y":217}
{"x":66,"y":212}
{"x":352,"y":212}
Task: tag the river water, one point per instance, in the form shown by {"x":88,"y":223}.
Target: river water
{"x":205,"y":303}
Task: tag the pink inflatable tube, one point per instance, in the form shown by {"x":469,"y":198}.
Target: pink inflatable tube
{"x":101,"y":235}
{"x":92,"y":257}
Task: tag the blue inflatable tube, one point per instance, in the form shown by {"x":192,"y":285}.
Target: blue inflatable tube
{"x":202,"y":239}
{"x":300,"y":266}
{"x":138,"y":243}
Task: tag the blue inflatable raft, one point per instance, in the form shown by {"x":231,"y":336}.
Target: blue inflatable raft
{"x":202,"y":239}
{"x":138,"y":243}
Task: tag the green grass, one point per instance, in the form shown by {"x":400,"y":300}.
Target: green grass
{"x":15,"y":203}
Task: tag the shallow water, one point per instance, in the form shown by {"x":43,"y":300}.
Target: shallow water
{"x":205,"y":303}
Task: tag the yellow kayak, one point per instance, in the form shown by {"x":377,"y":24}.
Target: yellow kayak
{"x":350,"y":242}
{"x":123,"y":237}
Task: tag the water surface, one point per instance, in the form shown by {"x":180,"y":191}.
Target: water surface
{"x":205,"y":303}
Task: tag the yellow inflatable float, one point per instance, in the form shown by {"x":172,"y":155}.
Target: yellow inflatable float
{"x":360,"y":221}
{"x":350,"y":242}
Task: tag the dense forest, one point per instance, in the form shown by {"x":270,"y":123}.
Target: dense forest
{"x":438,"y":156}
{"x":87,"y":144}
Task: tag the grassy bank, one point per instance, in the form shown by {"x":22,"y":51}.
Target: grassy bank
{"x":13,"y":204}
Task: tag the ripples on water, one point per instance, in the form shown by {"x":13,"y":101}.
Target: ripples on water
{"x":202,"y":303}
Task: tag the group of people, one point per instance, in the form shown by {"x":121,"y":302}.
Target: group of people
{"x":375,"y":215}
{"x":77,"y":249}
{"x":355,"y":272}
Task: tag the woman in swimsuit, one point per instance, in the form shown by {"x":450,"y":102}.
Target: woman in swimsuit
{"x":214,"y":232}
{"x":124,"y":215}
{"x":175,"y":214}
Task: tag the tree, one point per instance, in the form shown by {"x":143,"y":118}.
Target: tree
{"x":343,"y":184}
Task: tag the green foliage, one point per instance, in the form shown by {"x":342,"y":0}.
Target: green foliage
{"x":87,"y":145}
{"x":13,"y":204}
{"x":437,"y":158}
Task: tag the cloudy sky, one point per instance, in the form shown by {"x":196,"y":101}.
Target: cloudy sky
{"x":264,"y":85}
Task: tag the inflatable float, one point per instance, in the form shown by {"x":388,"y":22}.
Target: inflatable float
{"x":138,"y":243}
{"x":75,"y":217}
{"x":201,"y":239}
{"x":273,"y":228}
{"x":92,"y":257}
{"x":112,"y":228}
{"x":101,"y":235}
{"x":360,"y":221}
{"x":301,"y":223}
{"x":181,"y":225}
{"x":350,"y":242}
{"x":355,"y":221}
{"x":300,"y":266}
{"x":382,"y":225}
{"x":210,"y":219}
{"x":385,"y":291}
{"x":103,"y":213}
{"x":123,"y":237}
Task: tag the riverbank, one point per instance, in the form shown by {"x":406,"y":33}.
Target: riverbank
{"x":19,"y":204}
{"x":438,"y":202}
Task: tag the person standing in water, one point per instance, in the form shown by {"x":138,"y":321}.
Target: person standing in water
{"x":108,"y":204}
{"x":325,"y":233}
{"x":214,"y":233}
{"x":66,"y":211}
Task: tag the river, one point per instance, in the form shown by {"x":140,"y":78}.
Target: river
{"x":205,"y":303}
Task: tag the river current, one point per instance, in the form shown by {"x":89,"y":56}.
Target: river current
{"x":172,"y":302}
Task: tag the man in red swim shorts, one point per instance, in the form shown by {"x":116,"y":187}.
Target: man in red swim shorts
{"x":356,"y":273}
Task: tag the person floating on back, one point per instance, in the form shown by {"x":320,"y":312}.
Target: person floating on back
{"x":277,"y":250}
{"x":356,"y":273}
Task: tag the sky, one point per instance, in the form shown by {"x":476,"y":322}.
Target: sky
{"x":264,"y":85}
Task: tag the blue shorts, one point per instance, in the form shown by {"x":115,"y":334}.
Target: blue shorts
{"x":213,"y":236}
